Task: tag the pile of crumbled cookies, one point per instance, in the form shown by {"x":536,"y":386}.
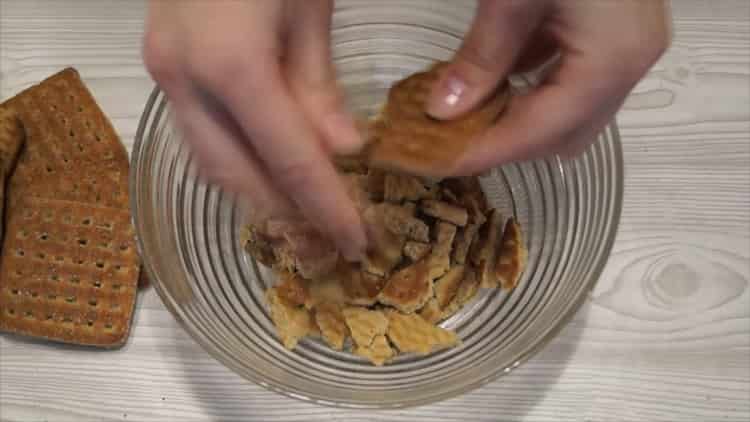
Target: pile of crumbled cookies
{"x":433,"y":246}
{"x":433,"y":242}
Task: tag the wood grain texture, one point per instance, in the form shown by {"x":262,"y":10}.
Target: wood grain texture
{"x":665,"y":336}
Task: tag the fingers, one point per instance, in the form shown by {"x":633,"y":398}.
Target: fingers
{"x":221,"y":154}
{"x":291,"y":150}
{"x":606,"y":47}
{"x":494,"y":43}
{"x":311,"y":76}
{"x":564,"y":114}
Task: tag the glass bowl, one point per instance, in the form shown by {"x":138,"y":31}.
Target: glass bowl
{"x":188,"y":235}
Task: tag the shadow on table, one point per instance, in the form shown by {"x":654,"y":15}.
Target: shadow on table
{"x":224,"y":395}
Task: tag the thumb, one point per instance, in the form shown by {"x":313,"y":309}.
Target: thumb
{"x":489,"y":52}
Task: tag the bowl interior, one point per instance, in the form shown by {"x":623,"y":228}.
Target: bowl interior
{"x":189,"y":237}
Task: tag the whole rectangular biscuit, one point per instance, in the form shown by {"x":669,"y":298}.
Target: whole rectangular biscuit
{"x":69,"y":272}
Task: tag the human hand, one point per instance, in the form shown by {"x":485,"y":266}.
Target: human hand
{"x":605,"y":47}
{"x":254,"y":94}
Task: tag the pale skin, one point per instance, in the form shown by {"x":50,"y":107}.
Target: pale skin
{"x":255,"y":95}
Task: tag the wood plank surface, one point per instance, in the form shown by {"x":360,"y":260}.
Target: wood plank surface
{"x":665,"y":335}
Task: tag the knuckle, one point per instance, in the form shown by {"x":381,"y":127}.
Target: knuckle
{"x":160,"y":55}
{"x":480,"y":56}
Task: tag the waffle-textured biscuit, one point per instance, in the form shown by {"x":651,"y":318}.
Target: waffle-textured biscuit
{"x":292,"y":322}
{"x":466,"y":291}
{"x":407,"y":139}
{"x":69,"y":265}
{"x":440,"y":259}
{"x":412,"y":334}
{"x":409,"y":288}
{"x":69,"y":272}
{"x":325,"y":290}
{"x":512,"y":256}
{"x":402,"y":187}
{"x":365,"y":324}
{"x":431,"y":311}
{"x":464,"y":238}
{"x":360,"y":288}
{"x":445,"y":211}
{"x":386,"y":247}
{"x":447,"y":286}
{"x":485,"y":253}
{"x":293,"y":289}
{"x":416,"y":250}
{"x":400,"y":220}
{"x":378,"y":352}
{"x":330,"y":320}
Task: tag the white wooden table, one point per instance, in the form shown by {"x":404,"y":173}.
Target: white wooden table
{"x":664,"y":337}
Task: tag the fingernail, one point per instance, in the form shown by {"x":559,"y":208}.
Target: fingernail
{"x":446,"y":97}
{"x":342,"y":134}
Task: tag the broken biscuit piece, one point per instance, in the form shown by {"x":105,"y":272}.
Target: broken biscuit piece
{"x":485,"y":253}
{"x":378,"y":352}
{"x":365,"y":324}
{"x":410,"y":140}
{"x":401,"y":187}
{"x":330,"y":320}
{"x":376,"y":184}
{"x":360,"y":288}
{"x":447,"y":286}
{"x":292,"y":322}
{"x":466,"y":291}
{"x":400,"y":220}
{"x":415,"y":251}
{"x":440,"y":259}
{"x":293,"y":289}
{"x":464,"y":239}
{"x":431,"y":311}
{"x":386,"y":248}
{"x":408,"y":289}
{"x":445,"y":211}
{"x":324,"y":290}
{"x":412,"y":334}
{"x":512,"y":256}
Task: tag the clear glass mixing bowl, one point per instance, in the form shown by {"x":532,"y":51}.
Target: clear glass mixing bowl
{"x":188,"y":235}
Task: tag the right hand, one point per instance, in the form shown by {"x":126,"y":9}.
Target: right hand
{"x":254,"y":93}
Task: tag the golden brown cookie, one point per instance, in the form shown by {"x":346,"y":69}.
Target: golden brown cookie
{"x":412,"y":334}
{"x":365,"y":324}
{"x":378,"y":352}
{"x":330,"y":320}
{"x":409,"y":140}
{"x":409,"y":288}
{"x":512,"y":256}
{"x":292,"y":322}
